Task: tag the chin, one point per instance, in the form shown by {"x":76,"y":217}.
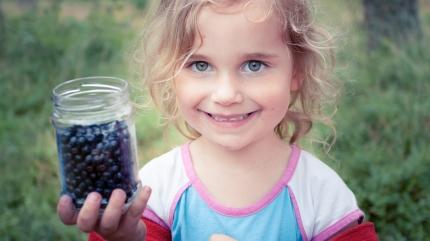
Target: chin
{"x":232,"y":143}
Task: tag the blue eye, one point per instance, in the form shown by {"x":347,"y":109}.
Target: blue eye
{"x":200,"y":66}
{"x":253,"y":66}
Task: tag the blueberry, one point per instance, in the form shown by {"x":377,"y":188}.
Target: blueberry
{"x":81,"y":140}
{"x":73,"y":140}
{"x":64,"y":137}
{"x":88,"y":159}
{"x":110,"y":184}
{"x":81,"y":167}
{"x":112,"y":144}
{"x":110,"y":161}
{"x":107,"y":192}
{"x":101,"y":168}
{"x":68,"y":167}
{"x":90,"y":137}
{"x":117,"y":153}
{"x":99,"y":190}
{"x":78,"y":158}
{"x":102,"y":156}
{"x":98,"y":137}
{"x":118,"y":176}
{"x":114,"y":168}
{"x":96,"y":131}
{"x":66,"y":149}
{"x":90,"y":169}
{"x":74,"y":150}
{"x":122,"y":125}
{"x":95,"y":151}
{"x":67,"y":156}
{"x":81,"y":129}
{"x":84,"y":173}
{"x":76,"y":171}
{"x":99,"y":146}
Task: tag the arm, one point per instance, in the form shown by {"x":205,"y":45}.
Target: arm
{"x":155,"y":232}
{"x":362,"y":232}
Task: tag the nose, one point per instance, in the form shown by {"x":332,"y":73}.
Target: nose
{"x":227,"y":90}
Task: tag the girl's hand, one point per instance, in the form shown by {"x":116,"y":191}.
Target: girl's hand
{"x":113,"y":224}
{"x":220,"y":237}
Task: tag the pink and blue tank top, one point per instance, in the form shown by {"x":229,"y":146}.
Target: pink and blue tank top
{"x":309,"y":202}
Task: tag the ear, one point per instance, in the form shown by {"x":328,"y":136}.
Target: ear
{"x":296,"y":80}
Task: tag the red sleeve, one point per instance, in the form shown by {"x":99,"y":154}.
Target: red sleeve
{"x":155,"y":232}
{"x":362,"y":232}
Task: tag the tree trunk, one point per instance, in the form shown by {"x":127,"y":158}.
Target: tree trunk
{"x":2,"y":29}
{"x":396,"y":21}
{"x":28,"y":4}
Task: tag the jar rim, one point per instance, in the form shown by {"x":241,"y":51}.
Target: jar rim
{"x":90,"y":98}
{"x":56,"y":92}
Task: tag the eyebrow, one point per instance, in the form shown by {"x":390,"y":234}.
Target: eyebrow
{"x":198,"y":57}
{"x":245,"y":56}
{"x":261,"y":56}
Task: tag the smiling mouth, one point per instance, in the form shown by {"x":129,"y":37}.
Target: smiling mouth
{"x":230,"y":118}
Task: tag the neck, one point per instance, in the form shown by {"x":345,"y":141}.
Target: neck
{"x":261,"y":153}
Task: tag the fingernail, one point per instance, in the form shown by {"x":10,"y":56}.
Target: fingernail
{"x":65,"y":200}
{"x":93,"y":197}
{"x":147,"y":190}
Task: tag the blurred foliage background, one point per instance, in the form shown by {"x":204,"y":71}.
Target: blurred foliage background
{"x":383,"y":121}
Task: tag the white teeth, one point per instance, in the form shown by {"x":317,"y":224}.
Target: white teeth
{"x":229,"y":118}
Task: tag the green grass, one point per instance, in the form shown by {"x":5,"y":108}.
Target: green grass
{"x":383,"y":122}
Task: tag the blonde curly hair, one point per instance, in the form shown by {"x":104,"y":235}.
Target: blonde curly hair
{"x":169,"y":37}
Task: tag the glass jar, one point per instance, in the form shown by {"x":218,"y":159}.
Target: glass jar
{"x":96,"y":140}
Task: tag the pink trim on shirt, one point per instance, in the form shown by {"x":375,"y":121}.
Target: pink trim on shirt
{"x":267,"y":199}
{"x":292,"y":164}
{"x":175,"y":202}
{"x":339,"y":225}
{"x":149,"y":214}
{"x":298,"y":217}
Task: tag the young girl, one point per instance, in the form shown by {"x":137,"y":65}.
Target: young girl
{"x":244,"y":80}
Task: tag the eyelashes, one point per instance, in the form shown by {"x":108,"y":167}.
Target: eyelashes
{"x":254,"y":66}
{"x":250,"y":66}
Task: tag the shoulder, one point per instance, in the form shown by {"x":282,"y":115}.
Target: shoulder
{"x":325,"y":203}
{"x":160,"y":167}
{"x":166,"y":176}
{"x":316,"y":173}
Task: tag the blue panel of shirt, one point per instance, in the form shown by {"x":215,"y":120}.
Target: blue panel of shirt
{"x":195,"y":220}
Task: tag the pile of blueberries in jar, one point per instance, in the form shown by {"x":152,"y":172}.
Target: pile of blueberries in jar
{"x":96,"y":158}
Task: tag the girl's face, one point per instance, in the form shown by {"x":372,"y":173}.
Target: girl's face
{"x":235,"y":88}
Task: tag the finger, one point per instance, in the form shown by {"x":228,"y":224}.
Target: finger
{"x":89,"y":213}
{"x":135,"y":211}
{"x":66,"y":210}
{"x":113,"y":212}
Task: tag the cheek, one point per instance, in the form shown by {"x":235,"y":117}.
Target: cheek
{"x":274,"y":101}
{"x":273,"y":95}
{"x":187,"y":94}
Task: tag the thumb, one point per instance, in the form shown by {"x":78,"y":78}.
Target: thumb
{"x":220,"y":237}
{"x":66,"y":210}
{"x":136,"y":209}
